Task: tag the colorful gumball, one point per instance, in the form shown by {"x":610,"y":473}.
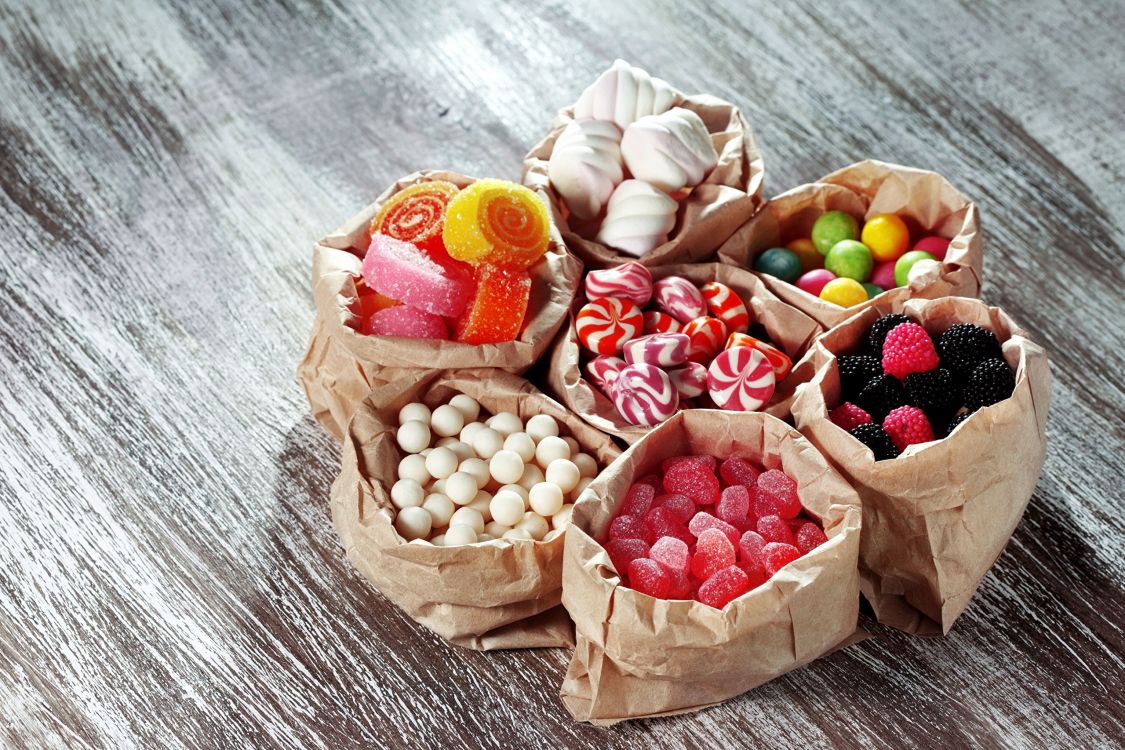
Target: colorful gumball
{"x":843,"y":292}
{"x":779,"y":263}
{"x":644,"y":395}
{"x":604,"y":325}
{"x":807,"y":253}
{"x":832,"y":227}
{"x":416,"y":214}
{"x":707,"y":336}
{"x":740,"y":379}
{"x":886,"y":236}
{"x":778,"y":359}
{"x":679,"y":298}
{"x":934,"y":245}
{"x":883,"y":275}
{"x":849,"y":259}
{"x":689,"y":380}
{"x":659,"y":349}
{"x":723,"y":303}
{"x":906,"y":262}
{"x":603,"y":371}
{"x":658,"y":322}
{"x":813,"y":281}
{"x":631,"y":281}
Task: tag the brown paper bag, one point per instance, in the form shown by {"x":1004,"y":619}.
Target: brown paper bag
{"x":925,"y":200}
{"x":342,"y":365}
{"x":641,"y":657}
{"x":938,"y":516}
{"x":720,"y":204}
{"x":493,"y":595}
{"x":790,"y":330}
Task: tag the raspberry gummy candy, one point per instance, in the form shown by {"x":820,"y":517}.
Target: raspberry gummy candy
{"x":623,"y":551}
{"x":809,"y":537}
{"x":908,"y":348}
{"x":693,"y":480}
{"x":702,"y":521}
{"x":724,"y":586}
{"x":782,"y":490}
{"x":848,"y":416}
{"x":713,"y":551}
{"x":739,"y":471}
{"x":626,"y":527}
{"x":679,"y":506}
{"x":908,"y":425}
{"x":776,"y":556}
{"x":734,"y":505}
{"x":637,"y":500}
{"x":647,"y":577}
{"x":670,"y":552}
{"x":773,"y":529}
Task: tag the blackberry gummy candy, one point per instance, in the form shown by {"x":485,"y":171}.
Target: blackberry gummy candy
{"x":626,"y":527}
{"x":856,"y":371}
{"x":907,"y":349}
{"x":963,"y":346}
{"x":957,"y":420}
{"x":878,"y":331}
{"x":782,"y":490}
{"x":881,"y":395}
{"x":637,"y":500}
{"x":990,"y":382}
{"x":713,"y":552}
{"x":774,"y":529}
{"x":623,"y":551}
{"x":670,"y":552}
{"x":809,"y":537}
{"x":739,"y":471}
{"x":734,"y":505}
{"x":497,"y":308}
{"x":847,"y":415}
{"x":694,"y":481}
{"x":647,"y":577}
{"x":934,"y":392}
{"x":877,"y":439}
{"x":702,"y":521}
{"x":724,"y":586}
{"x":404,"y":272}
{"x":776,"y":556}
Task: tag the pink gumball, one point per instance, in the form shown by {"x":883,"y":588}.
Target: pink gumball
{"x":934,"y":245}
{"x":813,"y":281}
{"x":883,"y":276}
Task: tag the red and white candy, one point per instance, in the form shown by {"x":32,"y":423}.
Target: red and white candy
{"x":679,"y":298}
{"x":724,"y":304}
{"x":778,"y":359}
{"x":644,"y":395}
{"x":604,"y":325}
{"x":660,"y":349}
{"x":658,"y":322}
{"x":630,"y":281}
{"x":740,"y":379}
{"x":707,"y":336}
{"x":690,"y":380}
{"x":603,"y":371}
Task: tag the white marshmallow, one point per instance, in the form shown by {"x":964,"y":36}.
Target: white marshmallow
{"x":487,"y":442}
{"x":506,"y":423}
{"x":519,"y":533}
{"x":507,"y":508}
{"x":551,"y":449}
{"x":638,"y":218}
{"x":447,"y":420}
{"x":461,"y":487}
{"x":534,"y":524}
{"x":586,"y":464}
{"x":546,"y":499}
{"x":670,"y":151}
{"x":477,"y":469}
{"x":562,"y":518}
{"x":586,"y":166}
{"x":563,"y":474}
{"x":623,"y":94}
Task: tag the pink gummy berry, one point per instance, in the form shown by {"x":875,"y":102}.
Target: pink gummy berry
{"x":723,"y":586}
{"x":782,"y":490}
{"x":623,"y":551}
{"x":773,"y":529}
{"x":849,"y":416}
{"x":661,"y":522}
{"x":679,"y":506}
{"x":647,"y":577}
{"x":670,"y":552}
{"x":737,"y":470}
{"x":626,"y":527}
{"x":908,"y":348}
{"x":713,"y":551}
{"x":809,"y":537}
{"x":750,"y":547}
{"x":734,"y":504}
{"x":908,"y":425}
{"x":637,"y":500}
{"x":702,"y":521}
{"x":776,"y":556}
{"x":693,"y":480}
{"x":670,"y":463}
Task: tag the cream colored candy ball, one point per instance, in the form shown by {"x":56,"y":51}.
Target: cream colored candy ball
{"x":447,"y":420}
{"x":553,"y":534}
{"x":467,"y":405}
{"x":413,"y":467}
{"x":459,"y":534}
{"x":563,"y":473}
{"x":506,"y":466}
{"x":562,"y":518}
{"x":521,"y":443}
{"x":482,"y":504}
{"x":545,"y":499}
{"x":441,"y":463}
{"x":413,"y":436}
{"x":495,"y":529}
{"x":579,"y":488}
{"x":532,"y":475}
{"x":586,"y":464}
{"x":572,"y":444}
{"x":425,"y":452}
{"x":507,"y":508}
{"x":461,"y":487}
{"x":518,"y":534}
{"x":438,"y":541}
{"x":415,"y":411}
{"x":406,"y":493}
{"x":445,"y":442}
{"x":413,"y":523}
{"x":550,"y":449}
{"x":541,"y":426}
{"x":534,"y":524}
{"x":462,"y":450}
{"x":469,"y":431}
{"x":440,"y":509}
{"x":487,"y":443}
{"x":438,"y":485}
{"x":506,"y":423}
{"x":468,"y":517}
{"x":485,"y":537}
{"x":477,"y":469}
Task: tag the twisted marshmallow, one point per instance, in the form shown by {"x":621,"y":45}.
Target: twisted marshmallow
{"x":585,"y":166}
{"x":671,"y":150}
{"x":624,"y":94}
{"x":638,"y":218}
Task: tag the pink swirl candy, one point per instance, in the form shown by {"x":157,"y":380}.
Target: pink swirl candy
{"x":658,"y":322}
{"x":603,"y":371}
{"x":644,"y":395}
{"x":689,"y":380}
{"x":630,"y":281}
{"x":660,"y":349}
{"x":740,"y":379}
{"x":679,"y":298}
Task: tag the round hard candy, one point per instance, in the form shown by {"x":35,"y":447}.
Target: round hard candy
{"x":779,"y":263}
{"x":658,"y":322}
{"x":644,"y":395}
{"x":604,"y":370}
{"x":806,"y":251}
{"x":660,"y":349}
{"x":707,"y":336}
{"x":778,"y":359}
{"x":679,"y":298}
{"x":873,"y":290}
{"x":906,"y":262}
{"x":843,"y":292}
{"x":884,"y":275}
{"x":813,"y":281}
{"x":849,"y":259}
{"x":689,"y":380}
{"x":934,"y":245}
{"x":723,"y":303}
{"x":604,"y":325}
{"x":630,"y":281}
{"x":886,"y":236}
{"x":831,"y":227}
{"x":740,"y":379}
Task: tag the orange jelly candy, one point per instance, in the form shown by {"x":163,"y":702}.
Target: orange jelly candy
{"x":496,"y":311}
{"x":416,"y":214}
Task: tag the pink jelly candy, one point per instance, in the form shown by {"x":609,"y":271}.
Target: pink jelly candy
{"x":765,"y":505}
{"x":754,"y":572}
{"x":670,"y":552}
{"x":724,"y":586}
{"x":661,"y":522}
{"x":658,"y":349}
{"x":669,"y":464}
{"x":626,"y":527}
{"x":773,"y":529}
{"x":776,"y":556}
{"x":402,"y":271}
{"x":679,"y":298}
{"x":679,"y":506}
{"x":630,"y":281}
{"x":782,"y":490}
{"x":734,"y":505}
{"x":603,"y":370}
{"x":408,"y":322}
{"x":690,"y":380}
{"x":623,"y":551}
{"x":809,"y":537}
{"x":693,"y":480}
{"x":703,"y":520}
{"x":644,"y":395}
{"x":713,"y":551}
{"x":737,"y":470}
{"x":647,"y":577}
{"x":681,"y":587}
{"x":651,"y":479}
{"x":658,"y":322}
{"x":638,"y":499}
{"x":750,"y":548}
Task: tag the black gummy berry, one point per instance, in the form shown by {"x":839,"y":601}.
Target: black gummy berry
{"x":989,"y":382}
{"x":881,"y":395}
{"x":877,"y":439}
{"x":958,"y":420}
{"x":964,"y":346}
{"x":856,"y":371}
{"x":934,"y":392}
{"x":878,"y":331}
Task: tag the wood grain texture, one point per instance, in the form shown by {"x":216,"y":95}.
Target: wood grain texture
{"x":168,"y":573}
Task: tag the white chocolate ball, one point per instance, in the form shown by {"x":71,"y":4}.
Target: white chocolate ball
{"x":579,"y":488}
{"x":586,"y":464}
{"x":447,"y":421}
{"x":467,"y":405}
{"x":550,"y":449}
{"x":441,"y":463}
{"x":420,"y":542}
{"x":406,"y":493}
{"x":495,"y":529}
{"x":553,"y":534}
{"x":532,"y":475}
{"x":415,"y":411}
{"x":572,"y":444}
{"x":463,"y":450}
{"x":438,"y":541}
{"x":461,"y":487}
{"x":487,"y":443}
{"x":482,"y":503}
{"x":440,"y":509}
{"x":563,"y":473}
{"x":468,"y":517}
{"x":485,"y":537}
{"x":506,"y":466}
{"x":445,"y":442}
{"x":534,"y":524}
{"x":506,"y":423}
{"x":469,"y":431}
{"x":460,"y":534}
{"x":414,"y":467}
{"x":545,"y":499}
{"x":562,"y":518}
{"x":413,"y":523}
{"x":438,"y":485}
{"x":518,"y":489}
{"x":425,"y":452}
{"x":521,"y":443}
{"x":413,"y":436}
{"x":517,"y":534}
{"x":477,"y":469}
{"x":507,"y":508}
{"x":541,"y":426}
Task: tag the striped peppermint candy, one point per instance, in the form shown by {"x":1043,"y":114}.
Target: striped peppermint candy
{"x":604,"y":325}
{"x":740,"y":379}
{"x":660,"y":349}
{"x":630,"y":281}
{"x":723,"y":303}
{"x":679,"y":298}
{"x":707,"y":336}
{"x":603,"y":371}
{"x":779,"y":360}
{"x":689,"y":380}
{"x":658,"y":322}
{"x":643,"y":395}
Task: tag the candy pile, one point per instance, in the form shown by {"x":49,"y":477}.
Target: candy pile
{"x":693,"y":342}
{"x":450,"y":263}
{"x":627,"y":152}
{"x":906,"y":387}
{"x":846,"y":265}
{"x":693,"y":533}
{"x":480,"y":481}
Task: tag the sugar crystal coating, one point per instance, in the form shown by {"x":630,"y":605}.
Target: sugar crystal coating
{"x":647,"y":577}
{"x":713,"y":552}
{"x":734,"y":505}
{"x":493,"y":221}
{"x":670,"y":552}
{"x":496,"y":311}
{"x":774,"y":529}
{"x":694,"y":481}
{"x":626,"y":527}
{"x":410,"y":275}
{"x":703,"y":520}
{"x":809,"y":537}
{"x":681,"y":508}
{"x":777,"y":555}
{"x":623,"y":551}
{"x":724,"y":586}
{"x":638,"y":500}
{"x":782,"y":490}
{"x":416,"y":214}
{"x":408,"y":322}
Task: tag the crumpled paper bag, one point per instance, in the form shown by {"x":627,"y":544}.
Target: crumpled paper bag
{"x":790,"y":330}
{"x":938,"y":516}
{"x":493,"y":595}
{"x":639,"y":657}
{"x":342,"y":365}
{"x":925,"y":200}
{"x":712,"y":211}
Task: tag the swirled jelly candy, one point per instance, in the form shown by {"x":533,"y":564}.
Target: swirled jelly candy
{"x":631,"y":281}
{"x":604,"y":369}
{"x":713,"y":552}
{"x":416,"y":214}
{"x":724,"y":586}
{"x":604,"y":325}
{"x":778,"y":359}
{"x":647,"y":577}
{"x":493,"y":221}
{"x":497,"y":308}
{"x":659,"y":349}
{"x":707,"y":336}
{"x":658,"y":322}
{"x":408,"y":322}
{"x":740,"y":379}
{"x":690,"y":380}
{"x":723,"y":303}
{"x":644,"y":395}
{"x":679,"y":298}
{"x":407,"y":273}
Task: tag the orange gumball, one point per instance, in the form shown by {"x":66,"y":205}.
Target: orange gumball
{"x":807,"y":253}
{"x":886,"y":236}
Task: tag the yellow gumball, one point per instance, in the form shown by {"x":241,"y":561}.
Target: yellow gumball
{"x":886,"y":236}
{"x":807,"y":253}
{"x":843,"y":292}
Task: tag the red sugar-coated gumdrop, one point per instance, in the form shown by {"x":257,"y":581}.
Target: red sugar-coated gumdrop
{"x":660,"y":522}
{"x":765,"y":505}
{"x":670,"y":552}
{"x":754,"y":572}
{"x":406,"y":321}
{"x":725,"y":585}
{"x":702,"y":521}
{"x":734,"y":505}
{"x":637,"y":500}
{"x":626,"y":527}
{"x":693,"y":480}
{"x":682,"y":586}
{"x":809,"y":537}
{"x":679,"y":506}
{"x":651,"y":479}
{"x":671,"y":463}
{"x":713,"y":551}
{"x":647,"y":577}
{"x":782,"y":490}
{"x":777,"y":556}
{"x":739,"y":471}
{"x":623,"y":551}
{"x":773,"y":529}
{"x":750,"y":547}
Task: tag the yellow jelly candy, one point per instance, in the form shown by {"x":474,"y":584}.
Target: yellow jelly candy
{"x":886,"y":236}
{"x":493,"y":221}
{"x":807,"y":253}
{"x":843,"y":292}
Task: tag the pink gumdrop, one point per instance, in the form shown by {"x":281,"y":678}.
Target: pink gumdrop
{"x":679,"y":506}
{"x":750,"y":548}
{"x":934,"y":245}
{"x":626,"y":527}
{"x":401,"y":271}
{"x":693,"y":480}
{"x":813,"y":281}
{"x":682,"y":587}
{"x":773,"y":529}
{"x":809,"y":537}
{"x":672,"y":462}
{"x":724,"y":586}
{"x":883,"y":276}
{"x":734,"y":505}
{"x":713,"y":552}
{"x":670,"y":552}
{"x":737,"y":470}
{"x":776,"y":556}
{"x":782,"y":490}
{"x":703,"y":520}
{"x":623,"y":551}
{"x":408,"y":322}
{"x":637,"y":500}
{"x":662,"y":522}
{"x":647,"y":577}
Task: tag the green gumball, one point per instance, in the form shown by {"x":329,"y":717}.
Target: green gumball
{"x":780,"y":262}
{"x":872,"y":290}
{"x":850,"y":259}
{"x":832,"y":227}
{"x":906,"y":262}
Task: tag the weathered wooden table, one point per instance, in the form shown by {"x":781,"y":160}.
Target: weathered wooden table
{"x":168,"y":573}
